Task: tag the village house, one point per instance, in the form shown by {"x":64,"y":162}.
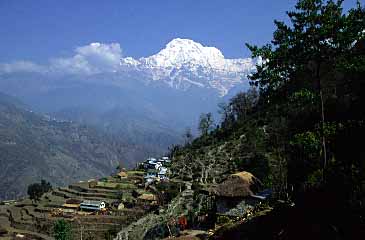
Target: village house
{"x":155,"y":169}
{"x":71,"y":206}
{"x":122,"y":174}
{"x":237,"y":194}
{"x":166,"y":159}
{"x":147,"y":198}
{"x":151,"y":163}
{"x":162,"y":173}
{"x":151,"y":173}
{"x":88,"y":205}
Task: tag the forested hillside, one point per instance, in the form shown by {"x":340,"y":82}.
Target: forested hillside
{"x":300,"y":127}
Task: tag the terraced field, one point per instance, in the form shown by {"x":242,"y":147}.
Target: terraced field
{"x":35,"y":220}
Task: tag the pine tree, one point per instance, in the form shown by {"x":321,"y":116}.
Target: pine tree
{"x":305,"y":57}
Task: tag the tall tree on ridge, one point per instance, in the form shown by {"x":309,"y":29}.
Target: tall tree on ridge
{"x":306,"y":55}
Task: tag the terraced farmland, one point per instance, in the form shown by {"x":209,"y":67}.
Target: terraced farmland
{"x":35,"y":220}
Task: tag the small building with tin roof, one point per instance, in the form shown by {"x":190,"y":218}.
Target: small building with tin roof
{"x":89,"y":205}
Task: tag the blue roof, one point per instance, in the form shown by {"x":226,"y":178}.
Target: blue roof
{"x":264,"y":194}
{"x":90,"y":207}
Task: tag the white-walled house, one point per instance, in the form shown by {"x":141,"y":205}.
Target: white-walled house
{"x":89,"y":205}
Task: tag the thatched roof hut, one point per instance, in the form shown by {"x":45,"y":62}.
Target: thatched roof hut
{"x":242,"y":184}
{"x":122,"y":174}
{"x":148,"y":197}
{"x":71,"y":206}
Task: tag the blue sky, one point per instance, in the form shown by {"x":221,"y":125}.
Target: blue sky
{"x":43,"y":29}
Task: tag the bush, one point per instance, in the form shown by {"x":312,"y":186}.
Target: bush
{"x":62,"y":230}
{"x":36,"y":190}
{"x":103,"y":179}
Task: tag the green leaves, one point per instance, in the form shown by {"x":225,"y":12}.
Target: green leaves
{"x":206,"y":123}
{"x":309,"y":141}
{"x":36,"y":190}
{"x":62,"y":230}
{"x":319,"y":33}
{"x":311,"y":74}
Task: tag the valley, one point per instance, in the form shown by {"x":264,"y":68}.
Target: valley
{"x":124,"y":120}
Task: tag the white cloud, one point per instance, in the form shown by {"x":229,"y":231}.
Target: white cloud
{"x":22,"y":66}
{"x":90,"y":59}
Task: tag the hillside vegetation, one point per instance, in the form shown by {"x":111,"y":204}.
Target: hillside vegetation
{"x":299,"y":128}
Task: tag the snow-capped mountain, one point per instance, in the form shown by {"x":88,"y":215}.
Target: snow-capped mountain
{"x":147,"y":102}
{"x":184,"y":63}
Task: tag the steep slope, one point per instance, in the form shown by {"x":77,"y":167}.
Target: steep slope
{"x":237,"y":144}
{"x":34,"y":147}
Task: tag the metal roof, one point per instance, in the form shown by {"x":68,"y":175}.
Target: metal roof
{"x":92,"y":203}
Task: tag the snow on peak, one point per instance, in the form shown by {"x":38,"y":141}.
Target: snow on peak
{"x":180,"y":52}
{"x":184,"y":62}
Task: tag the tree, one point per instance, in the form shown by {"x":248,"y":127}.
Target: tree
{"x":119,"y":167}
{"x":62,"y":230}
{"x":307,"y":57}
{"x":241,"y":104}
{"x":36,"y":190}
{"x":45,"y":186}
{"x":188,"y":136}
{"x":205,"y":123}
{"x":227,"y":117}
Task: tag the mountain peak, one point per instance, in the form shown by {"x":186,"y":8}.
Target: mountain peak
{"x":179,"y":52}
{"x":181,"y":42}
{"x":184,"y":63}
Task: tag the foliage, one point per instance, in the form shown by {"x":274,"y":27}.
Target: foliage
{"x":298,"y":127}
{"x":188,"y":136}
{"x":103,"y":179}
{"x":205,"y":123}
{"x":62,"y":230}
{"x":36,"y":190}
{"x":309,"y":70}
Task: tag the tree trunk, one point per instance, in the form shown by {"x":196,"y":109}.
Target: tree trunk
{"x":323,"y":138}
{"x":324,"y":148}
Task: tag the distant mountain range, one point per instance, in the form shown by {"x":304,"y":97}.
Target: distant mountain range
{"x":144,"y":103}
{"x":182,"y":64}
{"x":34,"y":147}
{"x":170,"y":88}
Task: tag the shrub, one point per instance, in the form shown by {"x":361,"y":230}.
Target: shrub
{"x":62,"y":230}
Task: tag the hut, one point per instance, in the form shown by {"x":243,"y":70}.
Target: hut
{"x":89,"y":205}
{"x":147,"y":198}
{"x":151,"y":173}
{"x":71,"y":206}
{"x":238,"y":188}
{"x":122,"y":174}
